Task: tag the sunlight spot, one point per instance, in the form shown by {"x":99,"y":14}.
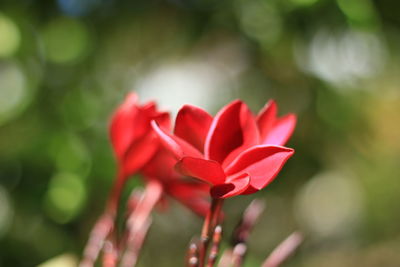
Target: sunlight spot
{"x":65,"y":197}
{"x":66,"y":40}
{"x":329,"y":204}
{"x":6,"y":211}
{"x":13,"y":91}
{"x":10,"y":36}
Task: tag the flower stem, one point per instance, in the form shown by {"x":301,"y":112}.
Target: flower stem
{"x":235,"y":256}
{"x":139,"y":222}
{"x":217,"y":236}
{"x":210,"y":222}
{"x":192,"y":259}
{"x":284,"y":250}
{"x":104,"y":225}
{"x":243,"y":229}
{"x":110,"y":253}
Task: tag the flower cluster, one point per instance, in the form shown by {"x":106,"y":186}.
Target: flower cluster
{"x":204,"y":158}
{"x":138,"y":151}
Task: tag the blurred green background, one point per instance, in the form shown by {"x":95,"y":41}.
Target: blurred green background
{"x":66,"y":64}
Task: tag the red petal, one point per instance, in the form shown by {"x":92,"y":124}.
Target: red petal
{"x":266,"y":118}
{"x":234,"y":126}
{"x":281,"y":131}
{"x":163,"y":119}
{"x":193,"y":195}
{"x":179,"y":147}
{"x":161,"y":166}
{"x":139,"y":153}
{"x":192,"y":124}
{"x":235,"y":187}
{"x":249,"y":127}
{"x":250,"y":190}
{"x":131,"y":99}
{"x":250,"y":134}
{"x":206,"y":170}
{"x":150,"y":107}
{"x":261,"y":163}
{"x":122,"y":125}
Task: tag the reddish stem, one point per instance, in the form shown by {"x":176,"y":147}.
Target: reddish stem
{"x":131,"y":254}
{"x":110,"y":253}
{"x":284,"y":250}
{"x":238,"y":253}
{"x":243,"y":229}
{"x":226,"y":258}
{"x":235,"y":255}
{"x":192,"y":259}
{"x":139,"y":222}
{"x":209,"y":224}
{"x":217,"y":236}
{"x":249,"y":219}
{"x":104,"y":225}
{"x":133,"y":201}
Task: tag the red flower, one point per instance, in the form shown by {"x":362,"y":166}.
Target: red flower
{"x":236,"y":152}
{"x":132,"y":137}
{"x":138,"y":150}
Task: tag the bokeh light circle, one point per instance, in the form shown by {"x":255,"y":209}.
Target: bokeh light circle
{"x":13,"y":91}
{"x":65,"y":197}
{"x":304,"y":2}
{"x":6,"y":211}
{"x":66,"y":40}
{"x":261,"y":21}
{"x":329,"y":204}
{"x":10,"y":36}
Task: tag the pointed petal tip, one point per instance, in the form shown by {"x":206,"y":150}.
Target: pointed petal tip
{"x":131,"y":98}
{"x":280,"y":131}
{"x":271,"y":105}
{"x":192,"y":124}
{"x":262,"y":163}
{"x":179,"y":147}
{"x":293,"y":117}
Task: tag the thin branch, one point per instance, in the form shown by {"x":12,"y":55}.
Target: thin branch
{"x":134,"y":199}
{"x":104,"y":225}
{"x":239,"y":251}
{"x":139,"y":221}
{"x":209,"y":224}
{"x":99,"y":233}
{"x":243,"y":230}
{"x":217,"y":236}
{"x":192,"y":259}
{"x":132,"y":252}
{"x":249,"y":219}
{"x":226,"y":258}
{"x":110,"y":253}
{"x":284,"y":250}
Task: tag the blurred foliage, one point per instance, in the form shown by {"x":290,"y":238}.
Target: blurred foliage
{"x":66,"y":64}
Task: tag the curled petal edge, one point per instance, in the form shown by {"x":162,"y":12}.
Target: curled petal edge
{"x":179,"y":148}
{"x":232,"y":188}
